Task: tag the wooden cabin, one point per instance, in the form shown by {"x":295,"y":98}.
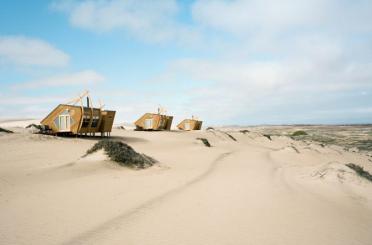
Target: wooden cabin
{"x":153,"y":121}
{"x":79,"y":120}
{"x":190,"y":124}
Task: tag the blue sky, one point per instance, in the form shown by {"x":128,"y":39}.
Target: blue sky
{"x":227,"y":62}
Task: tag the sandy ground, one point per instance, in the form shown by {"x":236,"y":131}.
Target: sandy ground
{"x":250,"y":191}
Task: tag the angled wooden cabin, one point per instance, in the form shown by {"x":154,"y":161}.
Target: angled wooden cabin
{"x":190,"y":124}
{"x":153,"y":121}
{"x":79,"y":120}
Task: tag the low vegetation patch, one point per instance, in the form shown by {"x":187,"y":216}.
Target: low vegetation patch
{"x":123,"y":154}
{"x":364,"y":145}
{"x":360,"y":171}
{"x":6,"y":131}
{"x":299,"y":133}
{"x":323,"y":139}
{"x":244,"y":131}
{"x":346,"y":136}
{"x":205,"y":141}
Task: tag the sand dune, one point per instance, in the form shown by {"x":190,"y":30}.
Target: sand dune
{"x":18,"y":123}
{"x":250,"y":190}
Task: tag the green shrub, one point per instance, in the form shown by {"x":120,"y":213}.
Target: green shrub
{"x":123,"y":154}
{"x":205,"y":142}
{"x":299,"y":133}
{"x":360,"y":171}
{"x":244,"y":131}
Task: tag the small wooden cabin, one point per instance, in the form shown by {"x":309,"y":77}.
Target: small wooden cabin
{"x":190,"y":124}
{"x":153,"y":121}
{"x":79,"y":120}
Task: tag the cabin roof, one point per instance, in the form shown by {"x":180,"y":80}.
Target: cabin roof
{"x":78,"y":106}
{"x":75,"y":106}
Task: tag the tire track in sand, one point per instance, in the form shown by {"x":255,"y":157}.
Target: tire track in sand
{"x":99,"y":231}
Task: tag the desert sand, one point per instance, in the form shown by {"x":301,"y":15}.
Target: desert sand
{"x":249,"y":191}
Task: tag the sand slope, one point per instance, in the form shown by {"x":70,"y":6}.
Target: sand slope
{"x":249,"y":191}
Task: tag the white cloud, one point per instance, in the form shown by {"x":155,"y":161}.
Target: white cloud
{"x":30,"y":51}
{"x":153,"y":21}
{"x":236,"y":89}
{"x":81,"y":78}
{"x":247,"y":16}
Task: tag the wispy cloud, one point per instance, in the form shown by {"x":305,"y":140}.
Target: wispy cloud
{"x":25,"y":51}
{"x":86,"y":77}
{"x":152,"y":21}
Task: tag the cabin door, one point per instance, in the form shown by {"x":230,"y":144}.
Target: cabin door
{"x":64,"y":123}
{"x":187,"y":126}
{"x":148,"y":123}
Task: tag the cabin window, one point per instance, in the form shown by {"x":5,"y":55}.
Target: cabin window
{"x":86,"y":120}
{"x":148,"y":123}
{"x":95,"y":121}
{"x":64,"y":122}
{"x":187,"y":126}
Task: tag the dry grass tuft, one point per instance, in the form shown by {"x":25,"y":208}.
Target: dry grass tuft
{"x":360,"y":171}
{"x":6,"y":131}
{"x":123,"y":154}
{"x":267,"y":136}
{"x":205,"y":142}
